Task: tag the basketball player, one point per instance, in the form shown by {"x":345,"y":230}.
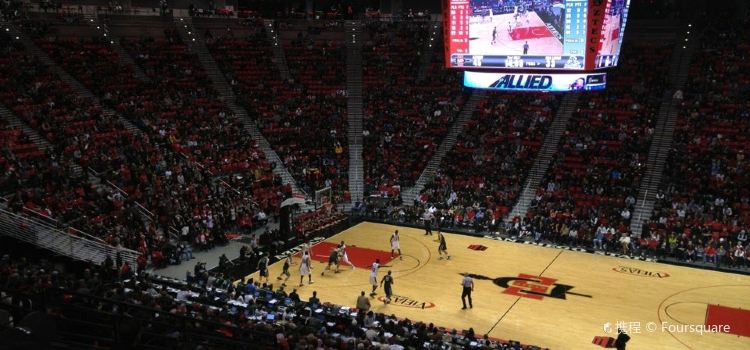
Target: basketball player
{"x":305,"y":268}
{"x":333,"y":259}
{"x":510,"y":30}
{"x":304,"y":248}
{"x":386,"y":283}
{"x":285,"y":271}
{"x":494,"y":35}
{"x":428,"y":227}
{"x":374,"y":276}
{"x":345,"y":257}
{"x":263,"y":267}
{"x":442,"y":248}
{"x":396,"y":245}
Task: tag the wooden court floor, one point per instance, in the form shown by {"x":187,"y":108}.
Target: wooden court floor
{"x":549,"y":297}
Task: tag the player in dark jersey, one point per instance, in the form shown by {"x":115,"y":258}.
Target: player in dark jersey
{"x":442,"y":248}
{"x":263,"y":267}
{"x":285,"y":271}
{"x":333,"y":259}
{"x":387,"y":283}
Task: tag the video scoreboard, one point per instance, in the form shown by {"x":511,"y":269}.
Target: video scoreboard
{"x":533,"y":34}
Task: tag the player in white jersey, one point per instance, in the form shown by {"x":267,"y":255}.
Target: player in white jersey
{"x":343,"y":256}
{"x":305,"y":268}
{"x":396,"y":245}
{"x":374,"y":276}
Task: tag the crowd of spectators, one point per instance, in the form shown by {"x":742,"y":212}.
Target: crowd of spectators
{"x":405,"y":116}
{"x":174,"y":175}
{"x":588,"y":194}
{"x":481,"y":177}
{"x":81,"y":130}
{"x":304,"y":117}
{"x":307,"y":224}
{"x":703,"y":210}
{"x":16,"y":144}
{"x":319,"y":154}
{"x":80,"y":134}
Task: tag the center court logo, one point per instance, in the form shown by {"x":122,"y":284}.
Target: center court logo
{"x":640,"y":272}
{"x":532,"y":287}
{"x":400,"y":300}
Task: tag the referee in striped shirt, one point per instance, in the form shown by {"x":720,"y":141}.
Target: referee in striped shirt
{"x":468,"y":285}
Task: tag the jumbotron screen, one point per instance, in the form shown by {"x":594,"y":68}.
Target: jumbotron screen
{"x":534,"y":34}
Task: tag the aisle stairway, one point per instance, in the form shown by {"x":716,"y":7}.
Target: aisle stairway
{"x":279,"y":57}
{"x":188,"y":34}
{"x":663,"y":136}
{"x":428,"y":50}
{"x":101,"y":29}
{"x":354,"y":36}
{"x":544,"y":157}
{"x":410,"y":194}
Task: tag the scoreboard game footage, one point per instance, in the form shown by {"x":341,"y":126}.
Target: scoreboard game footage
{"x":534,"y":34}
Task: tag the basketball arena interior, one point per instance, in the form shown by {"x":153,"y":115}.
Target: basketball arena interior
{"x":374,"y":174}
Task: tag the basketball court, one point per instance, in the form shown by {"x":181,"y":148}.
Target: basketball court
{"x":555,"y":298}
{"x":511,"y":35}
